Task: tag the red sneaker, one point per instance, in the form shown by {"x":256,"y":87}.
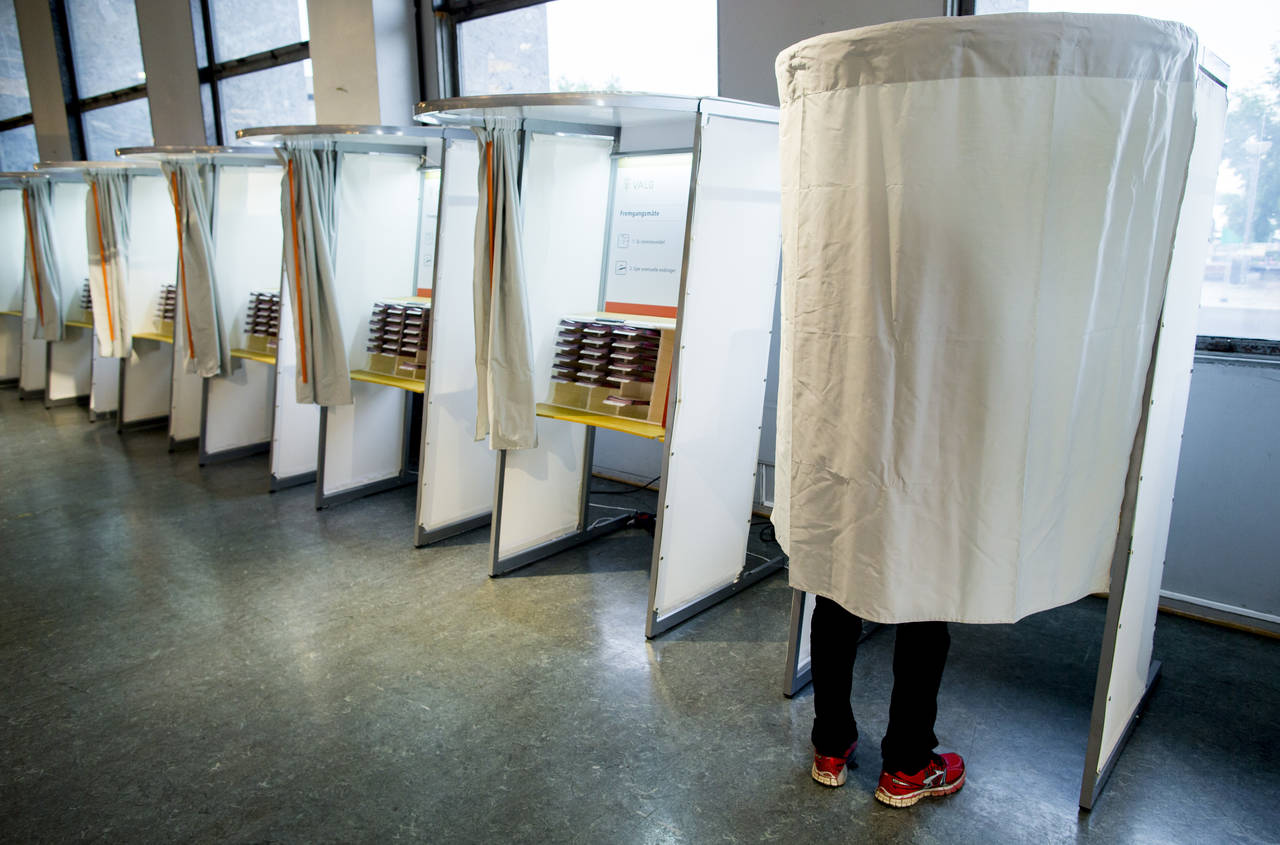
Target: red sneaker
{"x":831,"y":771}
{"x":943,"y":776}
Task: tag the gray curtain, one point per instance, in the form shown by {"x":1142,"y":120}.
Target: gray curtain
{"x":308,"y":203}
{"x":504,"y":350}
{"x":41,"y":265}
{"x":199,"y":318}
{"x":107,"y":225}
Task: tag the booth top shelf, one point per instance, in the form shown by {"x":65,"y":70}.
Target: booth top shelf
{"x":156,"y":336}
{"x":76,"y":169}
{"x":641,"y":321}
{"x":348,"y":136}
{"x":606,"y":110}
{"x":410,"y":384}
{"x":221,"y":155}
{"x":253,"y":355}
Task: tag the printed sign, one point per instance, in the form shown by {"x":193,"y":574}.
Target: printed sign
{"x":646,"y":241}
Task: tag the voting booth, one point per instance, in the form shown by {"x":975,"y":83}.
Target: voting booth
{"x":961,"y":432}
{"x":12,"y":247}
{"x":650,"y":237}
{"x":234,"y":407}
{"x":58,"y":335}
{"x":358,"y":207}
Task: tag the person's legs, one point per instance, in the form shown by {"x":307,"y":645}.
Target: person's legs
{"x":912,"y":771}
{"x":833,"y":647}
{"x":919,"y":656}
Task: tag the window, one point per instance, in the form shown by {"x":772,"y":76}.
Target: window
{"x":110,"y":84}
{"x":17,"y":132}
{"x":591,"y":45}
{"x":254,"y":58}
{"x":1240,"y":297}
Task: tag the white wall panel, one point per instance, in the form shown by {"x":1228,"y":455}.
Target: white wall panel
{"x":725,"y":320}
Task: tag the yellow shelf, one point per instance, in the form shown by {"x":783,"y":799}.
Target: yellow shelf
{"x":640,"y":428}
{"x":410,"y":384}
{"x":156,"y":336}
{"x":80,"y":324}
{"x":12,"y":313}
{"x":250,"y":355}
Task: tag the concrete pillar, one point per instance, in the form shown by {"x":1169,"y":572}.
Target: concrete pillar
{"x":364,"y":60}
{"x":173,"y":80}
{"x":44,"y":81}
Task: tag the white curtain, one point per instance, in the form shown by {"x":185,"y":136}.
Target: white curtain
{"x":307,"y":204}
{"x":42,"y":265}
{"x":978,"y":222}
{"x":504,"y":350}
{"x":199,"y":317}
{"x":107,"y":225}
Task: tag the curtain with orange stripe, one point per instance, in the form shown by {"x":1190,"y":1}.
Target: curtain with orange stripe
{"x":42,"y":277}
{"x":107,"y":227}
{"x":198,"y":326}
{"x":308,"y":203}
{"x":504,"y":350}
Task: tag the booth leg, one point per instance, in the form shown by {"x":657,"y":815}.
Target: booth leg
{"x":423,"y":537}
{"x":660,"y":624}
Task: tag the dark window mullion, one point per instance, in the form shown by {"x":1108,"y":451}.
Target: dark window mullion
{"x":17,"y":122}
{"x":67,"y":69}
{"x":214,"y":96}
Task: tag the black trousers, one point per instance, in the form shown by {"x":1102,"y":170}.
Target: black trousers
{"x":919,"y":655}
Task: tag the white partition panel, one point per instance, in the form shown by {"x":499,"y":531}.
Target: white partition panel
{"x":295,"y":434}
{"x":374,"y":258}
{"x":12,"y":244}
{"x":247,"y":237}
{"x":1171,"y":381}
{"x":70,"y":360}
{"x":31,"y":378}
{"x":186,"y":397}
{"x":565,"y":194}
{"x":456,"y":474}
{"x":104,"y":384}
{"x":725,"y":320}
{"x":153,"y":261}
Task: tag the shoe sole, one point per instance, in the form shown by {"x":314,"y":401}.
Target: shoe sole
{"x":885,"y":797}
{"x":827,"y":779}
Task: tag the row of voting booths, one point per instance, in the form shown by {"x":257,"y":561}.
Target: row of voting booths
{"x":341,"y":334}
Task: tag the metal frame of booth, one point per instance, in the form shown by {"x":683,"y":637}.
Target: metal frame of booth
{"x":711,"y":429}
{"x":342,"y":466}
{"x":235,"y":408}
{"x":1127,"y":674}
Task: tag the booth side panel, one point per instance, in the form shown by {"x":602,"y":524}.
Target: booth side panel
{"x":378,"y":200}
{"x":247,"y":236}
{"x":70,"y":364}
{"x":153,"y":261}
{"x":10,"y":346}
{"x":457,"y":470}
{"x":1170,"y":387}
{"x":238,"y":408}
{"x":186,"y":398}
{"x":12,"y":246}
{"x":70,"y":359}
{"x":364,"y":441}
{"x":726,"y":316}
{"x":104,"y":383}
{"x":295,"y":436}
{"x":565,"y":192}
{"x":32,"y":376}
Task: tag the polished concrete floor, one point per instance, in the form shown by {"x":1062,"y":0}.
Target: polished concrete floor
{"x":187,"y":658}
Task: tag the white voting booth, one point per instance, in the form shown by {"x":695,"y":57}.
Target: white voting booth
{"x":61,"y":369}
{"x":1117,"y":214}
{"x":385,"y":186}
{"x":12,"y":244}
{"x":235,"y":407}
{"x":658,"y":216}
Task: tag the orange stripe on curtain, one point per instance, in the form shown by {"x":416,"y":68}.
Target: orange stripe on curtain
{"x":31,"y":244}
{"x":488,"y":148}
{"x":182,"y":268}
{"x":102,"y":254}
{"x":297,"y":274}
